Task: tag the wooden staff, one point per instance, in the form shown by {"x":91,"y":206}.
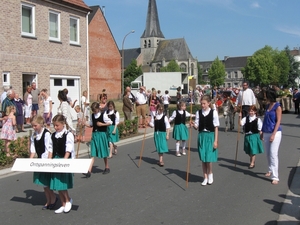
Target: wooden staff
{"x":189,"y":148}
{"x":143,"y":142}
{"x":80,"y":130}
{"x":239,"y":127}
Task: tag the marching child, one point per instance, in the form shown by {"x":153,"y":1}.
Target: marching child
{"x":99,"y":142}
{"x":161,"y":126}
{"x":207,"y":123}
{"x":41,"y":146}
{"x":8,"y":132}
{"x":252,"y":142}
{"x":62,"y":147}
{"x":80,"y":127}
{"x":180,"y":131}
{"x":112,"y":130}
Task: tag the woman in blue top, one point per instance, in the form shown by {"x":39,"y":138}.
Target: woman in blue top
{"x":272,"y":134}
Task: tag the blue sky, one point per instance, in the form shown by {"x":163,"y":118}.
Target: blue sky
{"x":211,"y":28}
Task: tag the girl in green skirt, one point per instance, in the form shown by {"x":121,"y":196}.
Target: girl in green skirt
{"x":252,"y":142}
{"x":62,"y":147}
{"x":40,"y":146}
{"x":207,"y":123}
{"x":180,"y":131}
{"x":112,"y":130}
{"x":99,"y":142}
{"x":161,"y":126}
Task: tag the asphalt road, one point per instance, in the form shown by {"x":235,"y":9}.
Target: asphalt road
{"x":158,"y":195}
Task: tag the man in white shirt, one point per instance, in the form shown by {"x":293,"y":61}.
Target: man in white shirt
{"x":141,"y":105}
{"x":246,"y":98}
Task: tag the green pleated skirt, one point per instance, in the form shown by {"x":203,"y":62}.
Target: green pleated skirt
{"x":252,"y":144}
{"x":61,"y":181}
{"x":99,"y":145}
{"x":160,"y":141}
{"x":180,"y":132}
{"x":42,"y":178}
{"x":206,"y":150}
{"x":113,"y":138}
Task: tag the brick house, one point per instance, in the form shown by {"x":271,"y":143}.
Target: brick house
{"x":104,"y":57}
{"x":45,"y":42}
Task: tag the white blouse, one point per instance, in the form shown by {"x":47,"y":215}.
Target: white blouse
{"x":69,"y":141}
{"x":187,"y":114}
{"x":216,"y":121}
{"x":158,"y":117}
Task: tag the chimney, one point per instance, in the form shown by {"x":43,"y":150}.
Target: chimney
{"x":103,"y":10}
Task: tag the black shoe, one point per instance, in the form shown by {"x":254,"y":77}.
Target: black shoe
{"x":106,"y":171}
{"x":51,"y":206}
{"x":87,"y":175}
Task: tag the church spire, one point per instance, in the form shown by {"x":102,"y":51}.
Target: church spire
{"x":152,"y":22}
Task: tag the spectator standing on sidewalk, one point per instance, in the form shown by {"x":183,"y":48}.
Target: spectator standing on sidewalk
{"x":141,"y":105}
{"x":20,"y":114}
{"x":296,"y":100}
{"x":127,"y":106}
{"x":35,"y":99}
{"x":28,"y":104}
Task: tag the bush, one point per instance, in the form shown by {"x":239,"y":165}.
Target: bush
{"x":19,"y":149}
{"x":128,"y":127}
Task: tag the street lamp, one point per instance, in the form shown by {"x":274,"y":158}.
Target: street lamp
{"x":122,"y":88}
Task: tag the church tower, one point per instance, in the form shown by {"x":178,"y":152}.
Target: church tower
{"x":152,"y":34}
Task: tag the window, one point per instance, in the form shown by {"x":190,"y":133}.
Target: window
{"x":74,"y":30}
{"x":54,"y":26}
{"x":149,"y":44}
{"x":229,"y":85}
{"x":28,"y":20}
{"x":70,"y":83}
{"x":5,"y":78}
{"x":182,"y":67}
{"x":229,"y":75}
{"x":158,"y":68}
{"x":145,"y":44}
{"x":57,"y":82}
{"x":235,"y":74}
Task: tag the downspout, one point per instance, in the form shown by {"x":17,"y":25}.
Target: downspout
{"x":87,"y":56}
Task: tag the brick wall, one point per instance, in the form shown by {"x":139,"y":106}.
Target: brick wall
{"x":19,"y":55}
{"x":105,"y":59}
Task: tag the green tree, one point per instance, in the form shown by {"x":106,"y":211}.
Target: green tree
{"x":294,"y":71}
{"x":267,"y":66}
{"x":171,"y":67}
{"x":131,"y":73}
{"x":216,"y":73}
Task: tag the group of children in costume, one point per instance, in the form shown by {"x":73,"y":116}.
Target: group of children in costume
{"x":60,"y":144}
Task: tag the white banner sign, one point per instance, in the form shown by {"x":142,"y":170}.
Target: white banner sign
{"x":52,"y":165}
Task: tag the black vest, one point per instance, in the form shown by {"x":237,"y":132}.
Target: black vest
{"x":112,"y":117}
{"x":59,"y":145}
{"x":100,"y":119}
{"x":251,"y":126}
{"x":40,"y":144}
{"x":160,"y":125}
{"x":206,"y":122}
{"x":180,"y":118}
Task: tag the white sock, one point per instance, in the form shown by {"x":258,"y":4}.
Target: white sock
{"x":183,"y":144}
{"x":177,"y":147}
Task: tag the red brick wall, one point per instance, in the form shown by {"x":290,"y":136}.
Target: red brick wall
{"x":105,"y":59}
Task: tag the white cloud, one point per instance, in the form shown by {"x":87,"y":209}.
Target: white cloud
{"x":255,"y":5}
{"x":289,"y":30}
